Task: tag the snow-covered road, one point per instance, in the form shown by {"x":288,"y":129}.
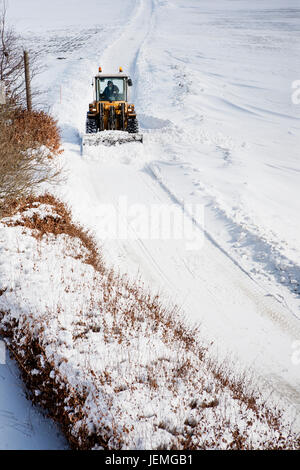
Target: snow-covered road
{"x":212,"y":86}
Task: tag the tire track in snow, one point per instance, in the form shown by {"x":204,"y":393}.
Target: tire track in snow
{"x":126,"y":49}
{"x":290,"y":325}
{"x":266,"y":306}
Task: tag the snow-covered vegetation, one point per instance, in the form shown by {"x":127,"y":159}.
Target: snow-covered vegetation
{"x":107,"y":360}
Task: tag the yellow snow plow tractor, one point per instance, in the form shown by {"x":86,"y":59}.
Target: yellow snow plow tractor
{"x":110,"y":118}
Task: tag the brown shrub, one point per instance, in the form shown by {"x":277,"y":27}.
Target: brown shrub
{"x":24,"y":164}
{"x":62,"y":224}
{"x":36,"y":128}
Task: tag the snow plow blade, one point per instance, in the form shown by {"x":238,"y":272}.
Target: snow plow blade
{"x":110,"y":138}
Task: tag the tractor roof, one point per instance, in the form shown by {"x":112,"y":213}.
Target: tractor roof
{"x":112,"y":75}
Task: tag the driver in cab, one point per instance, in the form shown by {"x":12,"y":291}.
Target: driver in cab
{"x":111,"y":91}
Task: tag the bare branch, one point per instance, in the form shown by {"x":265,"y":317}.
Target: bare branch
{"x":11,"y":61}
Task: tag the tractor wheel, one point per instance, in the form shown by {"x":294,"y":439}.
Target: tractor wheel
{"x":132,"y":126}
{"x":112,"y":118}
{"x":91,"y":125}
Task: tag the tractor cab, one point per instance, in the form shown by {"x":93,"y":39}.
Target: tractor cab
{"x":112,"y":88}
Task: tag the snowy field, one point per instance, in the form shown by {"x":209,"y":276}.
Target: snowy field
{"x":212,"y":87}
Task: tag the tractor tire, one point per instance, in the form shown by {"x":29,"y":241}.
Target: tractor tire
{"x":91,"y":125}
{"x":132,"y":126}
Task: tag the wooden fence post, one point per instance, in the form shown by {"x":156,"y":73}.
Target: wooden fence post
{"x":2,"y":92}
{"x":27,"y":81}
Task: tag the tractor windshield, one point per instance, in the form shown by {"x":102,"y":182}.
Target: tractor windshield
{"x":111,"y":89}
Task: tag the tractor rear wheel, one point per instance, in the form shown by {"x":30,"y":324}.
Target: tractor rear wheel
{"x":91,"y":125}
{"x":132,"y":126}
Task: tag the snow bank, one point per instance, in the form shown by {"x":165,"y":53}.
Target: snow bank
{"x":112,"y":365}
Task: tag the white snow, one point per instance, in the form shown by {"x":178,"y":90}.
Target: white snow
{"x":22,"y":425}
{"x":212,"y":87}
